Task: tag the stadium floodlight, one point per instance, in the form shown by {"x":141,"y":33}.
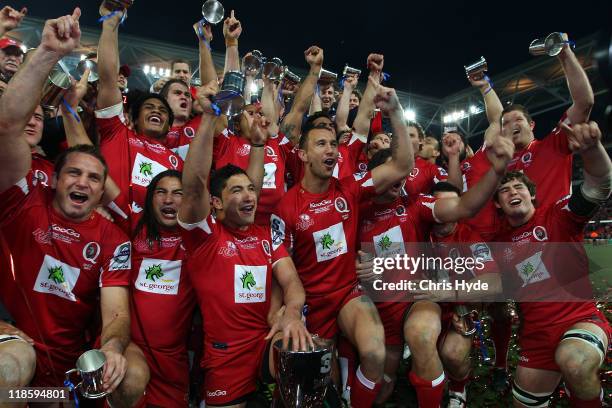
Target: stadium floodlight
{"x":409,"y":115}
{"x":146,"y":69}
{"x":474,"y":110}
{"x":83,"y":56}
{"x":254,"y":88}
{"x":153,"y":71}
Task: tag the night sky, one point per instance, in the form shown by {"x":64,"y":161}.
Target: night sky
{"x":425,"y":43}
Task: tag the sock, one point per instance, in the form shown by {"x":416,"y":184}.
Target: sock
{"x":501,"y":330}
{"x":458,"y":385}
{"x":363,"y":391}
{"x":575,"y":402}
{"x":429,"y":393}
{"x":347,"y":356}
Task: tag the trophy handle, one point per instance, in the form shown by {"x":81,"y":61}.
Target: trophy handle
{"x":73,"y":370}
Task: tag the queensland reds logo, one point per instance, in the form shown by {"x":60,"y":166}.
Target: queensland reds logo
{"x":341,"y":205}
{"x":270,"y":151}
{"x":91,"y":251}
{"x":173,"y":161}
{"x":465,"y":166}
{"x":40,"y":176}
{"x":244,"y":150}
{"x":266,"y":247}
{"x":363,"y":167}
{"x":540,"y":233}
{"x":189,"y":132}
{"x":414,"y":172}
{"x":229,"y":250}
{"x":526,"y":158}
{"x":400,"y":210}
{"x":305,"y":222}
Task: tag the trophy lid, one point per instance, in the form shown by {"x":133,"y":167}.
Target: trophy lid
{"x":213,"y":11}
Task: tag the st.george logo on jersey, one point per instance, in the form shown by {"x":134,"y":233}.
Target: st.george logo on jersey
{"x":532,"y":269}
{"x":389,"y":243}
{"x":250,"y":283}
{"x":145,"y":169}
{"x":57,"y":278}
{"x":269,"y":179}
{"x":159,"y":276}
{"x":330,"y":242}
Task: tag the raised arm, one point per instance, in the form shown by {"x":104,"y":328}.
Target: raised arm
{"x":493,"y":106}
{"x":343,"y":105}
{"x":11,"y":18}
{"x":292,"y":124}
{"x":231,"y":31}
{"x":452,"y":146}
{"x":59,"y":37}
{"x":366,"y":106}
{"x":255,"y":170}
{"x":578,"y":84}
{"x":402,"y":156}
{"x":457,"y":208}
{"x":207,"y":66}
{"x":196,"y":198}
{"x":108,"y":61}
{"x":269,"y":102}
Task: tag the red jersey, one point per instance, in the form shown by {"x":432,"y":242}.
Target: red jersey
{"x":351,"y":158}
{"x":464,"y":242}
{"x":161,"y":313}
{"x":548,"y":163}
{"x":233,"y":149}
{"x":133,"y":160}
{"x":544,"y":260}
{"x":41,"y":171}
{"x":423,"y":177}
{"x":179,"y":138}
{"x":231,"y":272}
{"x":322,"y":230}
{"x":59,"y":267}
{"x":487,"y":221}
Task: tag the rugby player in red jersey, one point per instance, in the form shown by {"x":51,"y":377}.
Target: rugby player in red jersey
{"x":389,"y":224}
{"x":71,"y":255}
{"x":163,"y":299}
{"x":558,"y":339}
{"x":137,"y":156}
{"x":231,"y":265}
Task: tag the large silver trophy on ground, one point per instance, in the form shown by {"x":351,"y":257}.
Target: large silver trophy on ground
{"x":303,"y":376}
{"x":551,"y":45}
{"x":89,"y":367}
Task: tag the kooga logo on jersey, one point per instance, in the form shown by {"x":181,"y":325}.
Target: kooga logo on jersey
{"x":217,"y":393}
{"x":321,"y":204}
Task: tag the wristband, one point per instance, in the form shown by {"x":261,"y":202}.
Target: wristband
{"x":231,"y":42}
{"x":487,"y":91}
{"x":257,"y":145}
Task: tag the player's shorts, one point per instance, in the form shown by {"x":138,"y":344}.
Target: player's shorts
{"x":392,"y":315}
{"x":230,"y":375}
{"x":322,"y":311}
{"x":169,"y":383}
{"x":538,"y":346}
{"x":52,"y":366}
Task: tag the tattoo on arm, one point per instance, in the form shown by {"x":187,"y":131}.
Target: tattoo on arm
{"x":288,"y":131}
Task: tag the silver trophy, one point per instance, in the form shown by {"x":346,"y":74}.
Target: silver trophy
{"x":273,"y":69}
{"x":303,"y":376}
{"x":253,"y":62}
{"x":212,"y":11}
{"x":230,"y":98}
{"x":89,"y":367}
{"x":113,"y":5}
{"x":476,"y":71}
{"x":93,"y":70}
{"x":551,"y":45}
{"x":327,"y":77}
{"x":351,"y":71}
{"x":290,"y":80}
{"x":467,"y":318}
{"x":58,"y":83}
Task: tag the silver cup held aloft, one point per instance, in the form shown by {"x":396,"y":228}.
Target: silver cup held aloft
{"x":327,"y":77}
{"x":273,"y":69}
{"x":350,"y":71}
{"x":290,"y":79}
{"x":477,"y":70}
{"x":253,"y":62}
{"x":551,"y":45}
{"x":93,"y":70}
{"x":466,"y":316}
{"x":58,"y":83}
{"x":303,"y":376}
{"x":212,"y":11}
{"x":113,"y":5}
{"x":230,"y":98}
{"x":89,"y":367}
